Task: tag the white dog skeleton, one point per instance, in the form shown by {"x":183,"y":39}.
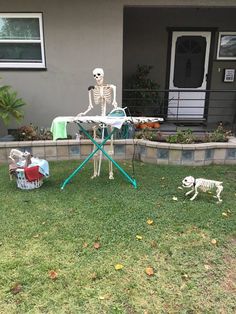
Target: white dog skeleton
{"x":203,"y":185}
{"x":102,"y":95}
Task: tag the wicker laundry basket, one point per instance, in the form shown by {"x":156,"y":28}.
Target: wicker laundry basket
{"x":24,"y":184}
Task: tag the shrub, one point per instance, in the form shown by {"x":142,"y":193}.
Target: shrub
{"x":182,"y":137}
{"x":147,"y":134}
{"x":220,"y":134}
{"x":32,"y":133}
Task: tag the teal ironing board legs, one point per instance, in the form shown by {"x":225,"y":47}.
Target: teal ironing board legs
{"x":90,"y":156}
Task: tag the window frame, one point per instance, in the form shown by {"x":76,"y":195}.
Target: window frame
{"x":26,"y":65}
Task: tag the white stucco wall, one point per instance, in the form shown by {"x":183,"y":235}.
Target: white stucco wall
{"x":79,"y":36}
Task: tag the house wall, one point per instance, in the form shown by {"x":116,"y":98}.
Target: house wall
{"x":79,"y":36}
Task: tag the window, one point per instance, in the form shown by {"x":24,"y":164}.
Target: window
{"x":21,"y":40}
{"x":226,"y":46}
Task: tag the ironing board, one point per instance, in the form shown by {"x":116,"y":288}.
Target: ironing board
{"x":114,"y":122}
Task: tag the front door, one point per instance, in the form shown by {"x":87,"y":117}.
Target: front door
{"x":188,"y":75}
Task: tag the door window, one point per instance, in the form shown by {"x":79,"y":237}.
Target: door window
{"x":189,"y":61}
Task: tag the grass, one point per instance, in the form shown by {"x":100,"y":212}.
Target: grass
{"x":48,"y":230}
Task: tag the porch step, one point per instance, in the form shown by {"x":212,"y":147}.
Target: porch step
{"x":173,"y":127}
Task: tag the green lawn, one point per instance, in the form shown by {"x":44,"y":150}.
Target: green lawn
{"x":190,"y":246}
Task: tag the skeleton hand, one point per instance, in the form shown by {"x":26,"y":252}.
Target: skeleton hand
{"x":80,"y":114}
{"x":114,"y":104}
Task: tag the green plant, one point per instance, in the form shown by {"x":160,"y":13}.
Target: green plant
{"x":10,"y":105}
{"x":145,"y":96}
{"x":220,"y":134}
{"x":182,"y":137}
{"x":147,"y":134}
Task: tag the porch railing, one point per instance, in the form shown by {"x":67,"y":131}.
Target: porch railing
{"x":209,"y":107}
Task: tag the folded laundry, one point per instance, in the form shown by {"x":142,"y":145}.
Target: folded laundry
{"x":58,"y":127}
{"x":43,"y":165}
{"x":32,"y":173}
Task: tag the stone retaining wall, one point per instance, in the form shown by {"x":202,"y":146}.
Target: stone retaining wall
{"x":146,"y":151}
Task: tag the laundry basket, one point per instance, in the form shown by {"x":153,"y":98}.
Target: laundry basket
{"x":24,"y":184}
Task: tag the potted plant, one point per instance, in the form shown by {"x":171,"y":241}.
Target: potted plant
{"x":143,"y":97}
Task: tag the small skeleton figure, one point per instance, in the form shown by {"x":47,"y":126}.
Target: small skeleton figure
{"x":102,"y":94}
{"x":203,"y":185}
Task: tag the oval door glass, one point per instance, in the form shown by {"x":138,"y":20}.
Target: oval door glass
{"x":189,"y":61}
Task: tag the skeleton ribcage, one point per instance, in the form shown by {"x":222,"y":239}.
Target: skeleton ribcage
{"x":102,"y":94}
{"x":206,"y":185}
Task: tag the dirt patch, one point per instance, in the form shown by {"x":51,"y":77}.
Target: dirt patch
{"x":229,"y":282}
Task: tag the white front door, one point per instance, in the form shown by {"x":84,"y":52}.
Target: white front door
{"x":188,"y":75}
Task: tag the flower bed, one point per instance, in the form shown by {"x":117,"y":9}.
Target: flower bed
{"x":142,"y":150}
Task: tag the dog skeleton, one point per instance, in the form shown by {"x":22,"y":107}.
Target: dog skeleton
{"x":203,"y":185}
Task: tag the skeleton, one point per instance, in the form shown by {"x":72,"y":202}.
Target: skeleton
{"x":203,"y":185}
{"x":102,"y":94}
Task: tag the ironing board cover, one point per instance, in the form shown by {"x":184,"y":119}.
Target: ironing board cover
{"x":58,"y":127}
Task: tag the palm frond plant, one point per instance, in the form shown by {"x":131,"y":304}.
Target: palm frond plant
{"x":10,"y":105}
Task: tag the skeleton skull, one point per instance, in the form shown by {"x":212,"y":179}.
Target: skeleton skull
{"x":188,"y":182}
{"x":98,"y":75}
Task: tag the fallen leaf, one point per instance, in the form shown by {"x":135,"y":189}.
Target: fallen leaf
{"x":207,"y":267}
{"x":225,"y":214}
{"x":97,"y":245}
{"x":104,"y":297}
{"x":213,"y":241}
{"x":149,"y":271}
{"x":53,"y":274}
{"x":94,"y":276}
{"x":118,"y":266}
{"x":16,"y":288}
{"x":139,"y":237}
{"x":174,"y":198}
{"x":180,"y":188}
{"x":150,"y":222}
{"x":153,"y":244}
{"x":85,"y":245}
{"x":36,"y":236}
{"x":163,"y":178}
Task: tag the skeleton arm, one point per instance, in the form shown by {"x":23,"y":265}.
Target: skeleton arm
{"x":90,"y":103}
{"x":114,"y":103}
